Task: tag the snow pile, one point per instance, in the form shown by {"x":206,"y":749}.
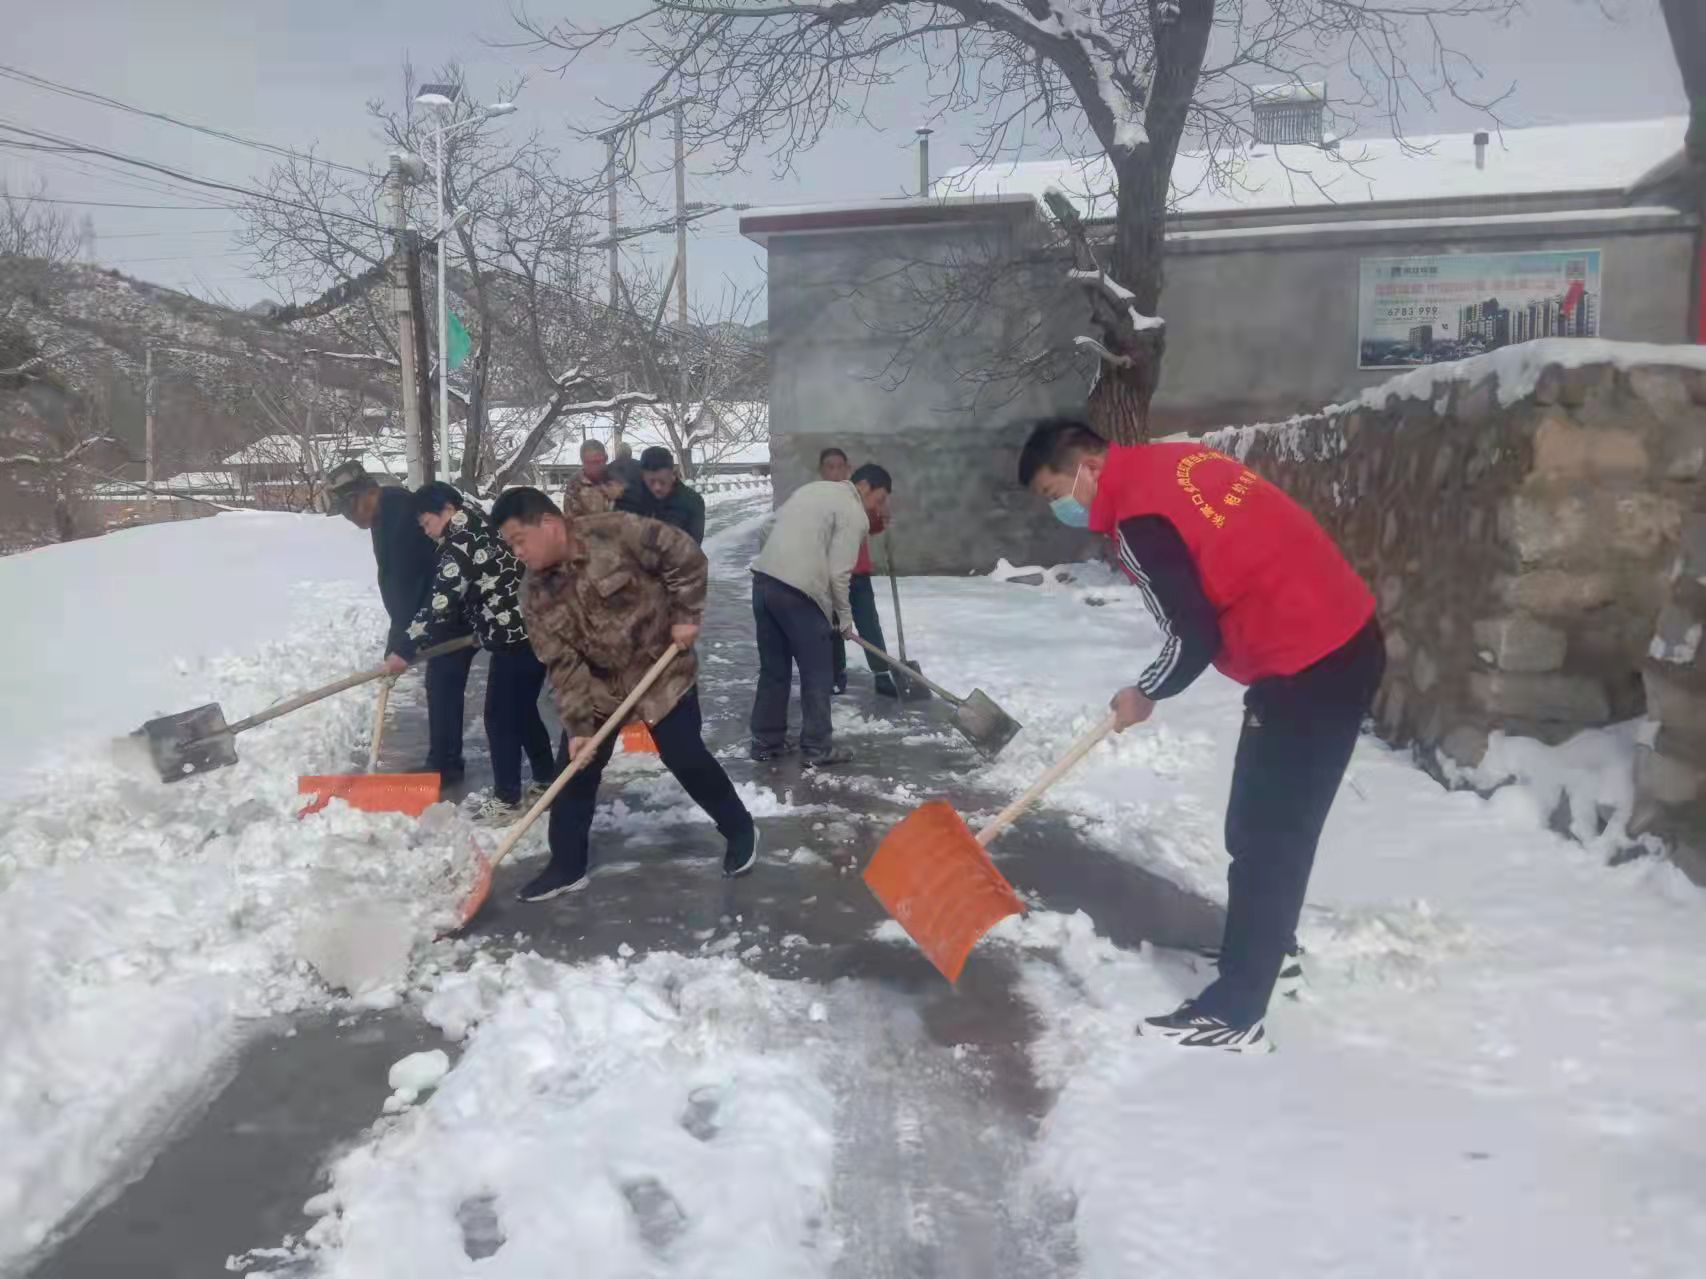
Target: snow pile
{"x":141,"y":923}
{"x":661,"y":1117}
{"x":1488,"y":1112}
{"x":1314,"y":437}
{"x":1590,"y":779}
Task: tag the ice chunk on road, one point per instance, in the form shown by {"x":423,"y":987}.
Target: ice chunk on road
{"x":360,"y":946}
{"x":419,"y":1071}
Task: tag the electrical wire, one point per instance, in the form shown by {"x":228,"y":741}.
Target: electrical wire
{"x":100,"y":99}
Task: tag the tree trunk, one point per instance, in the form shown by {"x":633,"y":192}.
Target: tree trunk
{"x":1119,"y":404}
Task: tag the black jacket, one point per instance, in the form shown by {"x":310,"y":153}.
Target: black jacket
{"x":683,"y":508}
{"x":473,"y":587}
{"x":405,"y":557}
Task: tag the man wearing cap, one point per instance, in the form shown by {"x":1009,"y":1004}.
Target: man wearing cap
{"x":661,"y":495}
{"x":406,"y":558}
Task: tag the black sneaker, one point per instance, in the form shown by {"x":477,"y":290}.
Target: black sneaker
{"x":742,"y":853}
{"x":552,"y":882}
{"x":884,"y":685}
{"x":828,"y":759}
{"x":764,"y":754}
{"x":1188,"y":1028}
{"x":839,"y":685}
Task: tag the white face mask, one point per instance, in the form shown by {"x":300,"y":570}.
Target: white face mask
{"x":1068,"y":509}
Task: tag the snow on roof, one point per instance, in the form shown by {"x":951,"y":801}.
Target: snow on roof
{"x":1552,"y":159}
{"x":643,"y":430}
{"x":1290,"y":91}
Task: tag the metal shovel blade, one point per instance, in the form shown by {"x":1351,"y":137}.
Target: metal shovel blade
{"x":910,"y":689}
{"x":189,"y":742}
{"x":984,"y":724}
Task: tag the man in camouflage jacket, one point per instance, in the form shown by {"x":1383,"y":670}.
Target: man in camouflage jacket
{"x":594,"y":489}
{"x":603,"y":597}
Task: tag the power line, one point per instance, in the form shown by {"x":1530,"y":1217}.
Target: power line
{"x":115,"y":204}
{"x":101,"y":99}
{"x":54,"y":143}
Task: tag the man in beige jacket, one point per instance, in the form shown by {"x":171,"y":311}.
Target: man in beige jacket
{"x":799,"y":582}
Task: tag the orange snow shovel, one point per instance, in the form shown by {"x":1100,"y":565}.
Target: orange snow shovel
{"x":936,"y":879}
{"x":373,"y":792}
{"x":637,"y":739}
{"x":485,"y":867}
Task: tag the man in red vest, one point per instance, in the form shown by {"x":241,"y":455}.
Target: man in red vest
{"x":1237,"y":574}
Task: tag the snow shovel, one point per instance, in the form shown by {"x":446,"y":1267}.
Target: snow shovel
{"x":910,"y":690}
{"x":199,"y":741}
{"x":980,"y":721}
{"x":936,"y":879}
{"x":485,"y":867}
{"x":373,"y":792}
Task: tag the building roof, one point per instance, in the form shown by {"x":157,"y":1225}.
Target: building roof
{"x":1576,"y":160}
{"x":1553,"y":159}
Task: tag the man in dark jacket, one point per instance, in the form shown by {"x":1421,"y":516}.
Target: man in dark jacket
{"x":474,"y":586}
{"x":661,"y":495}
{"x":406,"y":558}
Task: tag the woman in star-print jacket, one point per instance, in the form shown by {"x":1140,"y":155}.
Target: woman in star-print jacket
{"x":474,"y":585}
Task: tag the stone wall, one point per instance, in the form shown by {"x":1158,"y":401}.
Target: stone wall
{"x":1534,"y":524}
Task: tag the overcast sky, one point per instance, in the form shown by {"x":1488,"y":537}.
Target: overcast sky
{"x":300,"y":73}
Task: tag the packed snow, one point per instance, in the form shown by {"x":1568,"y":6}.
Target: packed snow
{"x":1491,"y":1069}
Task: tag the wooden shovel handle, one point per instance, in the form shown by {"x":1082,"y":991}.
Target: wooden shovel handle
{"x":894,"y":589}
{"x":348,"y":681}
{"x":1082,"y":747}
{"x":907,"y":672}
{"x":378,"y":735}
{"x":617,"y":718}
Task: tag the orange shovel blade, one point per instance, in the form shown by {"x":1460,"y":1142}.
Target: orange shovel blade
{"x":637,"y":739}
{"x":411,"y":793}
{"x":479,"y":892}
{"x":937,"y":881}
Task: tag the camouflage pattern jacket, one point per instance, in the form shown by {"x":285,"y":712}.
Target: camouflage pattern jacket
{"x":583,"y":497}
{"x":600,"y":618}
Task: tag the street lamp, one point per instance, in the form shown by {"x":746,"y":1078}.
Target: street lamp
{"x":442,"y":97}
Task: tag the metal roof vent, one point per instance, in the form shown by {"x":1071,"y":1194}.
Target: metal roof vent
{"x":1289,"y":113}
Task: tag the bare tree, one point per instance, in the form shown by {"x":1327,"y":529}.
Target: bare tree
{"x":1131,"y":79}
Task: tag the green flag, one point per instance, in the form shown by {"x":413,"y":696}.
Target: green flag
{"x":457,"y":339}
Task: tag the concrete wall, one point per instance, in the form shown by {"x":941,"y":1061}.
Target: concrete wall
{"x":1260,"y":325}
{"x":951,"y":444}
{"x":1540,"y":562}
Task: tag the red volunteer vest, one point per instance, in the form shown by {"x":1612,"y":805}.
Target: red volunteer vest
{"x":1284,"y":594}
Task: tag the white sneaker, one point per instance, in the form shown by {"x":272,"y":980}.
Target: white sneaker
{"x":1187,"y":1028}
{"x":489,"y":810}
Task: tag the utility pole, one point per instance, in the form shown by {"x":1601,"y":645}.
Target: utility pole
{"x":610,"y":209}
{"x":680,"y":220}
{"x":404,"y":312}
{"x":149,"y":397}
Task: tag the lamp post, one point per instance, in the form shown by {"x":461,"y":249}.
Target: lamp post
{"x":443,"y":98}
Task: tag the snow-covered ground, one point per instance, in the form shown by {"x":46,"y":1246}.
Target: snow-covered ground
{"x":1493,"y":1071}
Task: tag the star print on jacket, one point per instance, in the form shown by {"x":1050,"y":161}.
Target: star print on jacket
{"x":475,"y":588}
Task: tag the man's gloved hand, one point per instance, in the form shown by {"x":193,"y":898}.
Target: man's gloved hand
{"x":1130,"y":707}
{"x":395,"y":665}
{"x":849,"y":630}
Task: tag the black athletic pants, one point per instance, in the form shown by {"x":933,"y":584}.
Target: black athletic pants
{"x":792,"y":631}
{"x":1299,"y":731}
{"x":513,"y":723}
{"x":865,"y":620}
{"x":446,"y":685}
{"x":683,"y":751}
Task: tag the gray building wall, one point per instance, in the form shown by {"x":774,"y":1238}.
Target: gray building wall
{"x":1262,"y":323}
{"x":836,"y":302}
